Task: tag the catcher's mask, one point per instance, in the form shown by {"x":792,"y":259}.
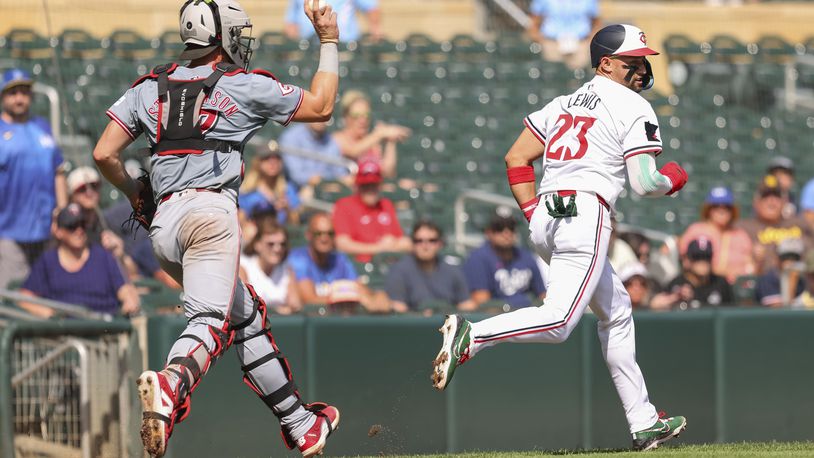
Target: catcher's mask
{"x":206,"y":25}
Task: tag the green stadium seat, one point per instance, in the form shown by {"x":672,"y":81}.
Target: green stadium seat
{"x":78,"y":43}
{"x":28,"y":44}
{"x":170,"y":45}
{"x":682,"y":48}
{"x":128,"y":44}
{"x":774,"y":48}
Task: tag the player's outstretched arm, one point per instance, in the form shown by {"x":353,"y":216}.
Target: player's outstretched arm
{"x":520,"y":171}
{"x":107,"y":155}
{"x":318,"y":102}
{"x":646,"y":180}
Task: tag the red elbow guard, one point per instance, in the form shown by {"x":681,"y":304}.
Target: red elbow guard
{"x":522,"y":174}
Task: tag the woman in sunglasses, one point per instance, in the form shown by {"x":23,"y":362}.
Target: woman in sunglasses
{"x":264,"y":266}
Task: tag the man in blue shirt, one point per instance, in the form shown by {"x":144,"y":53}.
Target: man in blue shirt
{"x":564,"y":29}
{"x":501,"y":271}
{"x":314,"y":138}
{"x":32,"y":183}
{"x":326,"y":276}
{"x":297,"y":25}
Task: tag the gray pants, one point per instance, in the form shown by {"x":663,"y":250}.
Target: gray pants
{"x":196,"y":238}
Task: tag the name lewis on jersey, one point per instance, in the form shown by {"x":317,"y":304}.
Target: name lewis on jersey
{"x":585,"y":100}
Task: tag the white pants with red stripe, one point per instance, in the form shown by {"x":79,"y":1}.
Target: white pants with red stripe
{"x":580,"y":276}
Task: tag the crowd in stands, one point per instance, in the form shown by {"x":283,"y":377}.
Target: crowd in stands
{"x":56,"y":242}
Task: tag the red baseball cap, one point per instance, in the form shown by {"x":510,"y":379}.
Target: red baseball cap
{"x":369,"y":172}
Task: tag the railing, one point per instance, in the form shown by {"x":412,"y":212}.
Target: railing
{"x":464,"y":240}
{"x":64,"y":388}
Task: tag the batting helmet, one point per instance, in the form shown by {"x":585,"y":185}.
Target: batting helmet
{"x":209,"y":24}
{"x":622,"y":40}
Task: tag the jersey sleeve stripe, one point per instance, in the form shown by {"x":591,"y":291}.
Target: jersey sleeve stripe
{"x":118,"y":121}
{"x":296,"y":109}
{"x":534,"y":130}
{"x":642,"y":150}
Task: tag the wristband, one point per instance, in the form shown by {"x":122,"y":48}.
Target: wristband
{"x":528,"y":207}
{"x":329,"y":58}
{"x":522,"y":174}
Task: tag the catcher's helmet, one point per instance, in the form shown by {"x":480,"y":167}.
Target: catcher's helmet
{"x":208,"y":24}
{"x":622,"y":40}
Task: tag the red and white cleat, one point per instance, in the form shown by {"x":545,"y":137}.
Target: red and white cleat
{"x":158,"y":412}
{"x":313,"y":441}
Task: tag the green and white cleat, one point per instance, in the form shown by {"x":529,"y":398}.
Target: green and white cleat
{"x":664,"y":430}
{"x":454,"y":350}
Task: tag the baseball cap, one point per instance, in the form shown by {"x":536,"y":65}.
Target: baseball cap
{"x":343,"y":291}
{"x":720,"y":195}
{"x":791,"y":247}
{"x":15,"y":77}
{"x":780,"y":162}
{"x":80,"y":177}
{"x":369,"y":172}
{"x":498,"y":223}
{"x":769,"y":187}
{"x":619,"y":40}
{"x":699,"y":250}
{"x":632,"y":269}
{"x":70,"y":217}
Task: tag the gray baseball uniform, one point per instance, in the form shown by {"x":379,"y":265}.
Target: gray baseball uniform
{"x":196,"y":235}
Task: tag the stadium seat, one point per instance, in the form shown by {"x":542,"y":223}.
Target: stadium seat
{"x":128,"y":44}
{"x":682,"y":48}
{"x":28,"y":44}
{"x":79,"y":43}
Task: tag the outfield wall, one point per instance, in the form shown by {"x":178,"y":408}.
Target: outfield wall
{"x":738,"y":375}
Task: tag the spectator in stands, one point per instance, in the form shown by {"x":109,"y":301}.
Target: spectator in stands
{"x":264,"y":267}
{"x":305,"y":173}
{"x":32,"y":182}
{"x":564,"y":29}
{"x":807,"y":204}
{"x":265,"y":186}
{"x":366,"y":223}
{"x":806,"y":300}
{"x":782,"y":168}
{"x":136,"y":240}
{"x":768,"y":227}
{"x":78,"y":272}
{"x":84,"y":185}
{"x":639,"y":244}
{"x":359,"y":143}
{"x":423,"y":277}
{"x":298,"y":27}
{"x":731,"y":245}
{"x":698,"y":286}
{"x":620,"y":253}
{"x":778,"y":282}
{"x":326,"y":276}
{"x":502,"y":271}
{"x":637,"y":284}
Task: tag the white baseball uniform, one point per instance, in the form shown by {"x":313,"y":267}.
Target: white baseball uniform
{"x":589,"y":137}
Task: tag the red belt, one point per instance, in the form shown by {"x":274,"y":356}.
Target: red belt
{"x":571,"y":192}
{"x":167,"y":196}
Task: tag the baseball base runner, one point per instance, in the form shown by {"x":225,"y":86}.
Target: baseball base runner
{"x":587,"y":141}
{"x":197,"y":119}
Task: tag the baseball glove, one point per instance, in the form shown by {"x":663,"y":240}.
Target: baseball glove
{"x":144,"y":207}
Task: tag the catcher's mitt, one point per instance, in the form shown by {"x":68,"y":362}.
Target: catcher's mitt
{"x":144,"y":208}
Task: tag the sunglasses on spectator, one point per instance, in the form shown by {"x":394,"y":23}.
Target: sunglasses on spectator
{"x":420,"y":241}
{"x":359,"y":114}
{"x":276,"y":244}
{"x":321,"y":233}
{"x":74,"y":227}
{"x":95,"y":186}
{"x":501,"y":227}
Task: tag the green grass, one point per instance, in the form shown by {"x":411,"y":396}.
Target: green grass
{"x":756,"y":449}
